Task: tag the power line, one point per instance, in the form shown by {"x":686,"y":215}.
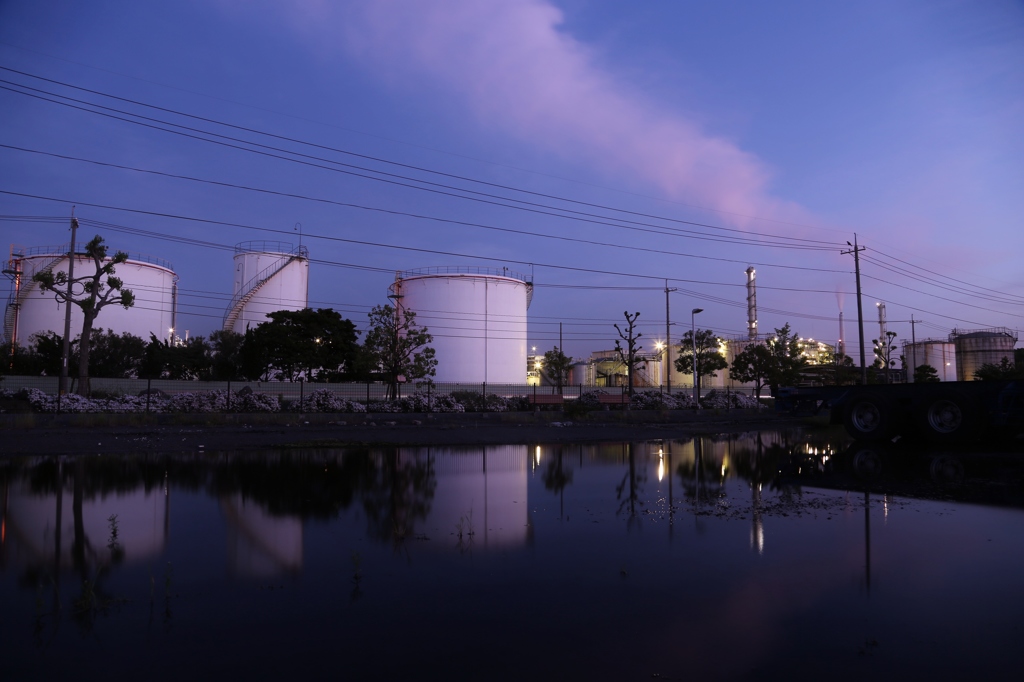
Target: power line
{"x":377,"y":159}
{"x":406,"y":214}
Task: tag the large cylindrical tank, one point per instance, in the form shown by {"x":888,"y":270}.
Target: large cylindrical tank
{"x":269,"y":276}
{"x":979,"y":347}
{"x":152,"y":280}
{"x":581,"y":374}
{"x":477,"y":317}
{"x":935,"y":352}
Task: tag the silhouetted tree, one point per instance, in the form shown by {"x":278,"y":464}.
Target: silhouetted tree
{"x":398,"y":348}
{"x":1004,"y":371}
{"x":95,"y":292}
{"x":924,"y":374}
{"x":709,"y":358}
{"x":117,"y":356}
{"x":557,"y":365}
{"x":226,"y":363}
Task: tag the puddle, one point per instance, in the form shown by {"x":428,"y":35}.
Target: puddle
{"x":755,"y":555}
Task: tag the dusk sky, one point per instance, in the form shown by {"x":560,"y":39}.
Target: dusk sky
{"x":600,"y":146}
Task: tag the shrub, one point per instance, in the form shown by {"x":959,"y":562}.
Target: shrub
{"x":323,"y":400}
{"x":721,"y":400}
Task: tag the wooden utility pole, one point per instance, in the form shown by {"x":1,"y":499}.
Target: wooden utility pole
{"x":855,"y":250}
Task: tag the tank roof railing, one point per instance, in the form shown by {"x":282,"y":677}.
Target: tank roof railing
{"x":991,"y":331}
{"x":262,"y":246}
{"x":62,"y":250}
{"x":463,"y":270}
{"x":929,"y":341}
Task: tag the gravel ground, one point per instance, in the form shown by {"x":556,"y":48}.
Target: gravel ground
{"x":91,"y":434}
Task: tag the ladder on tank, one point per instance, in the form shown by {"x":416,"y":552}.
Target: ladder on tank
{"x":248,"y":291}
{"x":17,"y":298}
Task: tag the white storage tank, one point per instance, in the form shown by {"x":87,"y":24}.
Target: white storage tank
{"x":935,"y":352}
{"x":978,"y":347}
{"x":269,"y":276}
{"x":477,"y":317}
{"x":31,"y":310}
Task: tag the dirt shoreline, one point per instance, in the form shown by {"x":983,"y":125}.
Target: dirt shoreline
{"x":36,"y":434}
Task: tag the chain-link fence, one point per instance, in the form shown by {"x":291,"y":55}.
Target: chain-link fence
{"x":367,"y":393}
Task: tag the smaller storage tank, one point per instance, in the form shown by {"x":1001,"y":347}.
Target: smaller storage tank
{"x":269,"y":276}
{"x":938,"y":353}
{"x":978,"y":347}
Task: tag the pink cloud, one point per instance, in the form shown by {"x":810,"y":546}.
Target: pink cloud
{"x":512,"y":66}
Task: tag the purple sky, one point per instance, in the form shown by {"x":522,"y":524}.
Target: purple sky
{"x":789,"y":126}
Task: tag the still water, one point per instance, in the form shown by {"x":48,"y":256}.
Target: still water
{"x":764,"y":556}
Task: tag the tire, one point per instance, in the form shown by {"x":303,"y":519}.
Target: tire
{"x":867,"y":463}
{"x":946,"y":417}
{"x":869,"y":418}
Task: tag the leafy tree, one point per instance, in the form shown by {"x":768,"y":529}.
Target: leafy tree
{"x":314,"y":344}
{"x":709,"y":359}
{"x":753,"y":365}
{"x":397,"y":346}
{"x":117,"y":356}
{"x":21,"y":361}
{"x":629,"y":355}
{"x":557,"y":365}
{"x":846,"y":371}
{"x":226,"y":363}
{"x":787,"y":361}
{"x":98,"y":290}
{"x":1005,"y":370}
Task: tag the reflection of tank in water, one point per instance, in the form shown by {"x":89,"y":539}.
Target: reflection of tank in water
{"x":40,"y":527}
{"x":260,"y":545}
{"x":483,"y":489}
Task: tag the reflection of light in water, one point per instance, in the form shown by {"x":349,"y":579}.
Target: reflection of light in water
{"x":259,"y":544}
{"x":490,"y":482}
{"x":536,"y":457}
{"x":34,"y":524}
{"x":661,"y":465}
{"x":757,"y":535}
{"x":885,"y":507}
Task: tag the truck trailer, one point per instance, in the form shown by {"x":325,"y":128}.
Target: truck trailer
{"x":941,"y":412}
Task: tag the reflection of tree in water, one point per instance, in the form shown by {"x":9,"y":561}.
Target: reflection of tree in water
{"x":629,"y":490}
{"x":557,"y":477}
{"x":397,"y":495}
{"x":702,"y":478}
{"x":312,"y":484}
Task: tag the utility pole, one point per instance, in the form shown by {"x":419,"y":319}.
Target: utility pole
{"x":913,"y":345}
{"x":62,"y":383}
{"x":667,"y":360}
{"x":855,"y":250}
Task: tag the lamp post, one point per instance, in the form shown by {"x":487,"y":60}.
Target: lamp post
{"x":693,"y":338}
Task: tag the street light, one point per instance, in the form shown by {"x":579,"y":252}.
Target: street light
{"x":693,"y":338}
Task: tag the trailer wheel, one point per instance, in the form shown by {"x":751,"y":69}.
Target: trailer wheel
{"x":867,"y":463}
{"x":946,"y":416}
{"x":869,"y":418}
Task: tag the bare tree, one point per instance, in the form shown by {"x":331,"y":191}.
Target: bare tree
{"x":629,"y":355}
{"x":91,"y":293}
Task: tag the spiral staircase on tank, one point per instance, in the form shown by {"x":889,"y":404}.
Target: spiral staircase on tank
{"x":21,"y":293}
{"x":250,"y":288}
